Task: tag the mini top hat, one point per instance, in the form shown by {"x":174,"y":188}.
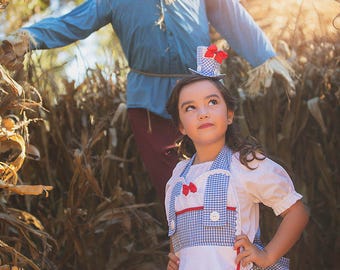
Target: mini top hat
{"x":209,"y":61}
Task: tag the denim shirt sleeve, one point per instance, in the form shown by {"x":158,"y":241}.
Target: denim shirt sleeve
{"x":236,"y":25}
{"x":75,"y":25}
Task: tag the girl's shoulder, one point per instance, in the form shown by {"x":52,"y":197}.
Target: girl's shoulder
{"x":260,"y":163}
{"x":266,"y":182}
{"x":176,"y":172}
{"x":180,"y":166}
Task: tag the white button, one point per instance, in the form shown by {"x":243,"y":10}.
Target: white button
{"x":214,"y":216}
{"x":172,"y":225}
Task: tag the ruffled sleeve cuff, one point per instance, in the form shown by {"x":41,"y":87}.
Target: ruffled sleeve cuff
{"x":287,"y":202}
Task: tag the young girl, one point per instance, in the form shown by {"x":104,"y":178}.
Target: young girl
{"x":212,"y":199}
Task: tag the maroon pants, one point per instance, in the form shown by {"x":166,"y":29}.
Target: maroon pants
{"x":155,"y":137}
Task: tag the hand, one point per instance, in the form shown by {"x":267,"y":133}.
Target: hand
{"x":250,"y":253}
{"x":283,"y":70}
{"x":13,"y":49}
{"x":261,"y":77}
{"x":173,"y":263}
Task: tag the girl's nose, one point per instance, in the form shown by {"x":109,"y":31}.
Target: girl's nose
{"x":203,"y":113}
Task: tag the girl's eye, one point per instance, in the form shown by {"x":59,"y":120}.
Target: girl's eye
{"x":189,"y":108}
{"x":213,"y":102}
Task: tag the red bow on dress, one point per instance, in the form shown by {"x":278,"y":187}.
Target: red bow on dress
{"x":187,"y":188}
{"x":213,"y":53}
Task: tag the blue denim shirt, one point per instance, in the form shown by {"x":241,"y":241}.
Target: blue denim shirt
{"x":165,"y":48}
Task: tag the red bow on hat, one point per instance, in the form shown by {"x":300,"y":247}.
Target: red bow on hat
{"x":187,"y":188}
{"x":212,"y":52}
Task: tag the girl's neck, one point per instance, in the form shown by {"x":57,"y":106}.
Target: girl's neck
{"x":205,"y":154}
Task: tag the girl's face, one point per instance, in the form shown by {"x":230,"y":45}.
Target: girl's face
{"x":203,"y":114}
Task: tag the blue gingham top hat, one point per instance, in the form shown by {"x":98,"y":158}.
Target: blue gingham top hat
{"x":209,"y":61}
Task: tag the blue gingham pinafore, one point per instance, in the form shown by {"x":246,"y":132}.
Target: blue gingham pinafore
{"x":215,"y":224}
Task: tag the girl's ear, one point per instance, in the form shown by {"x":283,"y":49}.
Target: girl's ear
{"x":181,"y":129}
{"x":230,"y":117}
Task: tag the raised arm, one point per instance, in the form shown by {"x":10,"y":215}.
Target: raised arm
{"x":236,"y":25}
{"x":55,"y":32}
{"x":75,"y":25}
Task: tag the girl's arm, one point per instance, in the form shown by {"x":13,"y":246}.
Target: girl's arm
{"x":173,"y":259}
{"x":294,"y":221}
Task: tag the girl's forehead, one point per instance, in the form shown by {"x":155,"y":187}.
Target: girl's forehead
{"x":199,"y":90}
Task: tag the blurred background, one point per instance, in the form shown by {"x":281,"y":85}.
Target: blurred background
{"x":102,"y":212}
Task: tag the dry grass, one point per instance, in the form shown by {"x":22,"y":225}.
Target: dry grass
{"x":102,"y":212}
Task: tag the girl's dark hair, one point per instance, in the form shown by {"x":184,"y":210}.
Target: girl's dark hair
{"x":248,"y":147}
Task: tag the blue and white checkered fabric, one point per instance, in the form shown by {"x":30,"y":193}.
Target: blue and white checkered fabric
{"x":216,"y":191}
{"x":281,"y":264}
{"x":196,"y":228}
{"x":172,"y":220}
{"x":191,"y":231}
{"x":206,"y":66}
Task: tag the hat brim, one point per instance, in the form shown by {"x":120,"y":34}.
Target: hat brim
{"x":220,"y":76}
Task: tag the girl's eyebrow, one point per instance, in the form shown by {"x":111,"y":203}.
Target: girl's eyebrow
{"x":207,"y":97}
{"x":186,"y":103}
{"x":212,"y":95}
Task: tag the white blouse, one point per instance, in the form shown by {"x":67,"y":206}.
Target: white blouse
{"x":269,"y":184}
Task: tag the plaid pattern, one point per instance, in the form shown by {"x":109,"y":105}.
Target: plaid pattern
{"x":195,"y":228}
{"x":281,"y":264}
{"x":172,"y":220}
{"x":206,"y":66}
{"x":191,"y":231}
{"x":216,"y":191}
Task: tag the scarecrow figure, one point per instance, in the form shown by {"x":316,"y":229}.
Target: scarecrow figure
{"x":159,"y":39}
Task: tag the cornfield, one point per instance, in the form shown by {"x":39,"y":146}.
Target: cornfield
{"x":75,"y":195}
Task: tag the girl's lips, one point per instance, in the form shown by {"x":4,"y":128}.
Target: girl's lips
{"x":206,"y":125}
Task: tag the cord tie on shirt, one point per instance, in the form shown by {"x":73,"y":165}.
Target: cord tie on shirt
{"x":212,"y":52}
{"x":187,"y":188}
